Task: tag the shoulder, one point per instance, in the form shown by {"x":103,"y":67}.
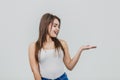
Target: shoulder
{"x":65,"y":46}
{"x":31,"y":47}
{"x":63,"y":42}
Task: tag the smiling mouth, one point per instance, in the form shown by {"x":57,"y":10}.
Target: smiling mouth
{"x":56,"y":32}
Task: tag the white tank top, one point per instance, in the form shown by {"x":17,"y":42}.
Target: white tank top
{"x":51,"y":63}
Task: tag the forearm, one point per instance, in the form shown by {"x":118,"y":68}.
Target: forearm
{"x":37,"y":76}
{"x":75,"y":59}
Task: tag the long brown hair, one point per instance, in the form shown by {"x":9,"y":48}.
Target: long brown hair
{"x":43,"y":31}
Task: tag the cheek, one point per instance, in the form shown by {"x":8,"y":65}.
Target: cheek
{"x":52,"y":29}
{"x":49,"y":28}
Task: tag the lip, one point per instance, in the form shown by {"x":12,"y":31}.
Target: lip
{"x":56,"y":32}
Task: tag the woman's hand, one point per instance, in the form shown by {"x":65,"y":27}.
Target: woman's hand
{"x":87,"y":47}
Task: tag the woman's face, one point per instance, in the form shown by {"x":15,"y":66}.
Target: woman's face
{"x":53,"y":29}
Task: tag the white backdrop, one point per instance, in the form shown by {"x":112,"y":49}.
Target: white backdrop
{"x":94,"y":22}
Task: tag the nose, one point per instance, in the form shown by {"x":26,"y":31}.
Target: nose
{"x":58,"y":28}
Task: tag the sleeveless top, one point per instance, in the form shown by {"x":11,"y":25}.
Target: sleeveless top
{"x":51,"y":63}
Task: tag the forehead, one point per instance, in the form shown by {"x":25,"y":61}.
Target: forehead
{"x":56,"y":21}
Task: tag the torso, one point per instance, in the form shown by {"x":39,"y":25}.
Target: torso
{"x":51,"y":63}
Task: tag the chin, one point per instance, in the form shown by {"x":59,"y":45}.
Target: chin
{"x":54,"y":36}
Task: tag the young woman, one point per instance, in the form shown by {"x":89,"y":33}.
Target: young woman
{"x":48,"y":55}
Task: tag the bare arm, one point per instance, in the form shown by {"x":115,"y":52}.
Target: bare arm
{"x":70,"y":63}
{"x":33,"y":63}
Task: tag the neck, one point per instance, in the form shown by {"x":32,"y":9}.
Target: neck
{"x":48,"y":44}
{"x":48,"y":38}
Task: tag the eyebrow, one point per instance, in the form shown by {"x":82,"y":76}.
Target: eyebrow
{"x":56,"y":24}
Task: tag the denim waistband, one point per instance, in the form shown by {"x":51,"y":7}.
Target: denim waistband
{"x":62,"y":77}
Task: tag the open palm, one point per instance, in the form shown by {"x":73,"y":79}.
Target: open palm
{"x":87,"y":47}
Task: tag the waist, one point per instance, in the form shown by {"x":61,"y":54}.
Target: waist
{"x":61,"y":77}
{"x":51,"y":70}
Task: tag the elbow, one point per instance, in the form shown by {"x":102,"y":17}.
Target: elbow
{"x":70,"y":68}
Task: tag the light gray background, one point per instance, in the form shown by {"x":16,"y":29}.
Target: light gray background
{"x":94,"y":22}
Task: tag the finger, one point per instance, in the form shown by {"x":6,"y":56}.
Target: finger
{"x":87,"y":45}
{"x":93,"y":47}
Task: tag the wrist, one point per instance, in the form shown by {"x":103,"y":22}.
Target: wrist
{"x":81,"y":49}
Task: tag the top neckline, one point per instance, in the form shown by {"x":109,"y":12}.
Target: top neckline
{"x":48,"y":49}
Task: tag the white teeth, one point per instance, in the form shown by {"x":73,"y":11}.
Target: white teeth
{"x":55,"y":32}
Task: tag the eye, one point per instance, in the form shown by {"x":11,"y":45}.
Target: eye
{"x":54,"y":25}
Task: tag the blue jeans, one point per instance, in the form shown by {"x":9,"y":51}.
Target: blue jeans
{"x":62,"y":77}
